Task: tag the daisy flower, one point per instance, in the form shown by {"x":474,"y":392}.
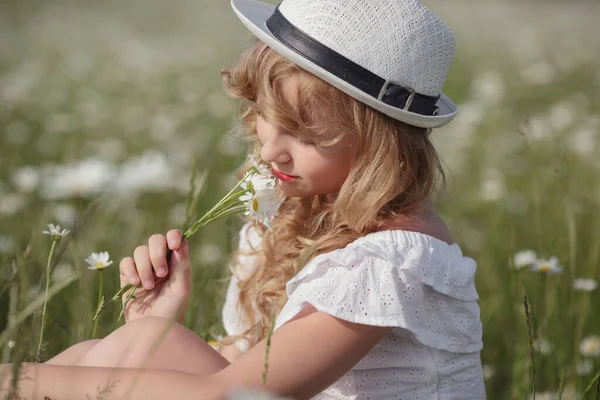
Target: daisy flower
{"x":543,"y":346}
{"x":590,"y":346}
{"x":255,"y":194}
{"x":55,"y":232}
{"x":587,"y":285}
{"x":98,"y":260}
{"x":524,"y":258}
{"x":550,"y":266}
{"x":261,"y":199}
{"x":262,"y":168}
{"x":584,"y":367}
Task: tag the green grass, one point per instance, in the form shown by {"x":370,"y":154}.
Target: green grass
{"x":112,"y":82}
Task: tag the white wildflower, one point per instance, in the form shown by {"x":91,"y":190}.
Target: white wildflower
{"x":11,"y":344}
{"x":210,"y":253}
{"x":261,"y":199}
{"x":98,"y":260}
{"x":584,"y":367}
{"x":543,"y":346}
{"x":55,"y":232}
{"x":590,"y":346}
{"x":524,"y":258}
{"x":492,"y":189}
{"x":561,"y":116}
{"x":65,"y":213}
{"x":216,"y":343}
{"x":586,"y":285}
{"x":86,"y":178}
{"x":262,"y":168}
{"x":149,"y":172}
{"x":489,"y":87}
{"x":488,"y":371}
{"x":26,"y":178}
{"x":550,"y":266}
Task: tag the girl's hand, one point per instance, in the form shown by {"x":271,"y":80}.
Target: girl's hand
{"x":166,"y":286}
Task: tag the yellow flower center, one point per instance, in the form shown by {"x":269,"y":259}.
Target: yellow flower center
{"x":545,"y":268}
{"x":99,"y":264}
{"x":255,"y":205}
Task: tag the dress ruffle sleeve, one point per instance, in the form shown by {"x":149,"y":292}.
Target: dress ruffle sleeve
{"x":400,"y":279}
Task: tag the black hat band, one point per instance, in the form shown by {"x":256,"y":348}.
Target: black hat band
{"x":386,"y":91}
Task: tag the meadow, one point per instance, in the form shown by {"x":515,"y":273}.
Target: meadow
{"x":105,"y":108}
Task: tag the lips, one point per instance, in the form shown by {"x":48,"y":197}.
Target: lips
{"x":282,"y":176}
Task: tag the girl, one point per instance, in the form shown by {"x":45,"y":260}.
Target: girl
{"x":372,"y":298}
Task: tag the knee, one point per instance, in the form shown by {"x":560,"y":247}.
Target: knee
{"x":74,"y":353}
{"x":137,"y":336}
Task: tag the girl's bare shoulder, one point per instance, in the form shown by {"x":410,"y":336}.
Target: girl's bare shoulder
{"x":427,"y":222}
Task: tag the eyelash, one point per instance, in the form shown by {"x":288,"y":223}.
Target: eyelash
{"x":304,"y":143}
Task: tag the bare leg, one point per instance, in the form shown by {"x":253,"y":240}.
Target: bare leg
{"x":72,"y":355}
{"x":155,"y":343}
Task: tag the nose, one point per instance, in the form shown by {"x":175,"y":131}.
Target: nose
{"x":274,"y":148}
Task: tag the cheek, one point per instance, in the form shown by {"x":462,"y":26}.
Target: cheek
{"x":327,"y":170}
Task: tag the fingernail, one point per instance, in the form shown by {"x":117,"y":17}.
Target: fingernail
{"x":148,"y":284}
{"x":161,"y":271}
{"x":133,"y":280}
{"x":173,"y":243}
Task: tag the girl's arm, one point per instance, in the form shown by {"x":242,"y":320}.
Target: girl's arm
{"x":307,"y":355}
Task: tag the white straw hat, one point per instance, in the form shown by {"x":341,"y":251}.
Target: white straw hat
{"x":392,"y":55}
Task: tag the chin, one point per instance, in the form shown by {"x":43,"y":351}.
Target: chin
{"x":295,"y":191}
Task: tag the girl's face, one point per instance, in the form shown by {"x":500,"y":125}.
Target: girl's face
{"x":302,"y":168}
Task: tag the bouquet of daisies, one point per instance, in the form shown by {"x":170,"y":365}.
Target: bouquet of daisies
{"x":255,"y":195}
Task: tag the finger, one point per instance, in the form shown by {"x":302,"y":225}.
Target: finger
{"x":128,"y":270}
{"x":180,"y":268}
{"x":141,"y":256}
{"x":157,"y":247}
{"x":174,"y":239}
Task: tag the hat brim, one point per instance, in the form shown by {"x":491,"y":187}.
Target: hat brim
{"x":254,"y":15}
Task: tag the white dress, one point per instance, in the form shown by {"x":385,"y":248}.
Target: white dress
{"x":420,"y":285}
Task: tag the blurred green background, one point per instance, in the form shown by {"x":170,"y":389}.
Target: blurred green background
{"x":105,"y":105}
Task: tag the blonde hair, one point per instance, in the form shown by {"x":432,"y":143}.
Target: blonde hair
{"x":394,"y":170}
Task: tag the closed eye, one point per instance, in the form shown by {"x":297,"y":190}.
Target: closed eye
{"x":303,"y":142}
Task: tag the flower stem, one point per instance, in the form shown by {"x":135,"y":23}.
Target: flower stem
{"x":234,"y":194}
{"x":227,"y":206}
{"x":530,"y":335}
{"x":590,"y":386}
{"x":130,"y":296}
{"x":39,"y":349}
{"x":101,"y":271}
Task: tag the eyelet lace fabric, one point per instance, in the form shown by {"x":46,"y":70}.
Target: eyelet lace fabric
{"x":419,"y":285}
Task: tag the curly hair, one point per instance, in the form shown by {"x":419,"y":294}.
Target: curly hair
{"x":394,"y":170}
